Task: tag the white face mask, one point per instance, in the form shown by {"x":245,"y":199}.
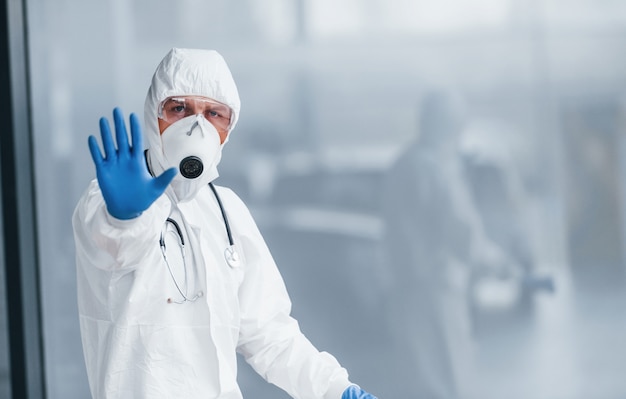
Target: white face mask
{"x":192,"y":146}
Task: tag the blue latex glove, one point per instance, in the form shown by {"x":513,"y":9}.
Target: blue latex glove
{"x":354,"y":392}
{"x":126,"y":184}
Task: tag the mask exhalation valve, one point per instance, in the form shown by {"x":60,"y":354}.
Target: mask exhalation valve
{"x":191,"y":167}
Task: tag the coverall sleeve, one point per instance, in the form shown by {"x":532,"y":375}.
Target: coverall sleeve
{"x":97,"y":233}
{"x":270,"y":339}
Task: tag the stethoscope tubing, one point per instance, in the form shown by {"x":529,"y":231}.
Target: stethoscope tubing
{"x":226,"y":223}
{"x":231,"y":255}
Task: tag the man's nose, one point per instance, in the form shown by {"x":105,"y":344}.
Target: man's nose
{"x":197,"y":110}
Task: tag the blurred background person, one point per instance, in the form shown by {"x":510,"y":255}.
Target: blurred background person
{"x":434,"y":237}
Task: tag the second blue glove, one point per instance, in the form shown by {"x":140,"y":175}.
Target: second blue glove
{"x":354,"y":392}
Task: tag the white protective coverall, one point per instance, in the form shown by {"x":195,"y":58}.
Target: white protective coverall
{"x":136,"y":344}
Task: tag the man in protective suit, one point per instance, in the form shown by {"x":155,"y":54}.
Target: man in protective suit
{"x":174,"y":277}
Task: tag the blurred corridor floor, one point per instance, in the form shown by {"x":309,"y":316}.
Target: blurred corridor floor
{"x":571,"y":347}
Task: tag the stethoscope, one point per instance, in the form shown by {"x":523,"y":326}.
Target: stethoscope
{"x":230,"y":253}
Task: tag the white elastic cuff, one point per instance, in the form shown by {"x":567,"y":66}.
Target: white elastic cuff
{"x":336,"y":387}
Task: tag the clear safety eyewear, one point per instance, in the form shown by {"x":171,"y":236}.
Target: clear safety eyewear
{"x":173,"y":109}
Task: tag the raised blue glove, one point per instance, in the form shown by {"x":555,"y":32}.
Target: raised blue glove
{"x":354,"y":392}
{"x":126,"y":184}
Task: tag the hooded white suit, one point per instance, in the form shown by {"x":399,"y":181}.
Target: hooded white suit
{"x":136,"y":344}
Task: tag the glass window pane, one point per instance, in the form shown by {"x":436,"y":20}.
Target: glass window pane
{"x":327,"y":171}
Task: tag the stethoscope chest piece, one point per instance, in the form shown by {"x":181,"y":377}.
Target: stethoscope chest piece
{"x":232,"y":256}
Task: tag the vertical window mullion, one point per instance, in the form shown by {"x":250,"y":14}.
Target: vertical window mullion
{"x":18,"y":208}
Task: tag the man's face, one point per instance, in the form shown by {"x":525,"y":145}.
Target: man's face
{"x":173,"y":109}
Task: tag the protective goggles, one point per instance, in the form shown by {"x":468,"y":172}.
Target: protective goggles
{"x":173,"y":109}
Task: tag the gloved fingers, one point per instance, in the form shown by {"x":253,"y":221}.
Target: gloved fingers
{"x":96,"y":155}
{"x":355,"y":392}
{"x":121,"y":136}
{"x":135,"y":135}
{"x":160,"y":183}
{"x":107,"y":140}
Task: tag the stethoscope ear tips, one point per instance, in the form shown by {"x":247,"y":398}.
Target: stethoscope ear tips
{"x":232,"y":256}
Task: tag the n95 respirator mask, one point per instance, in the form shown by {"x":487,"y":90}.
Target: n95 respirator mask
{"x":191,"y":146}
